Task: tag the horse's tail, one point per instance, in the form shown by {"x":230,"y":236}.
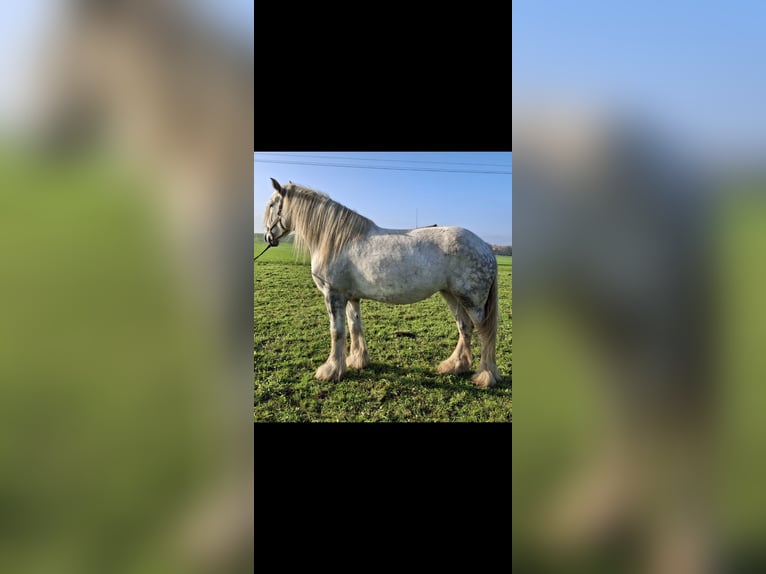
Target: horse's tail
{"x":487,"y":328}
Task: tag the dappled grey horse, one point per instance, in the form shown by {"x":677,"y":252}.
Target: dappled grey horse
{"x":353,"y":259}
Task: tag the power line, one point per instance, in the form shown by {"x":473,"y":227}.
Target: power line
{"x":440,"y":170}
{"x":291,"y":155}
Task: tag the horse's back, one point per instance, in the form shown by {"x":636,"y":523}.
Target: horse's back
{"x":462,"y":246}
{"x":404,"y":266}
{"x":440,"y":242}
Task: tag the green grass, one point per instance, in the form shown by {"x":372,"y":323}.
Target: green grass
{"x":405,"y":343}
{"x":97,"y":342}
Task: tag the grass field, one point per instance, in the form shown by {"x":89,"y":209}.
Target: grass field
{"x":405,"y":342}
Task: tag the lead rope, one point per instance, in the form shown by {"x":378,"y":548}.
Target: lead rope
{"x":262,"y":252}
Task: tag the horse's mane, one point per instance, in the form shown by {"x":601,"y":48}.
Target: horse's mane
{"x":322,"y":226}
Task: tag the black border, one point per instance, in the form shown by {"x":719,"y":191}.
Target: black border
{"x":332,"y":79}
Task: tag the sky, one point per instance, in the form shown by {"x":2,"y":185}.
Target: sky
{"x":480,"y":202}
{"x":23,"y":26}
{"x":696,"y":67}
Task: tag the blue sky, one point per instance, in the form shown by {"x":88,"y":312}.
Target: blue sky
{"x":481,"y":202}
{"x":697,"y":67}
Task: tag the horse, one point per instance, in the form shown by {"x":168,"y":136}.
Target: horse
{"x":353,"y":259}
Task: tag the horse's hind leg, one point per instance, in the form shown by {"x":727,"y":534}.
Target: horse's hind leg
{"x":335,"y":367}
{"x":460,"y":359}
{"x":485,"y":320}
{"x":357,"y":357}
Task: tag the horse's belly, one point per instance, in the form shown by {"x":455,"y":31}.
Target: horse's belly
{"x":402,"y":297}
{"x":397,"y":292}
{"x":401,"y":272}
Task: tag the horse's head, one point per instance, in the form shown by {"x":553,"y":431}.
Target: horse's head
{"x":275,"y":220}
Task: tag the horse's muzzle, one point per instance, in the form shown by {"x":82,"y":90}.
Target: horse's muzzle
{"x":271,"y":240}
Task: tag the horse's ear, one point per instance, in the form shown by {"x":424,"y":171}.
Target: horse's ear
{"x":278,"y":187}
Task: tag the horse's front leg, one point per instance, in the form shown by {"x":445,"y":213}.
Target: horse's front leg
{"x":358,"y":357}
{"x":335,"y":366}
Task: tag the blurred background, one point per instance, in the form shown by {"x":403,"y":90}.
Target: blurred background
{"x":640,"y":228}
{"x":125,"y":280}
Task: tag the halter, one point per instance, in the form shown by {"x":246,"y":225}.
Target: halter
{"x":278,"y":220}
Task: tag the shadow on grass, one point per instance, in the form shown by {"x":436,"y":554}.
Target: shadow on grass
{"x":428,"y":378}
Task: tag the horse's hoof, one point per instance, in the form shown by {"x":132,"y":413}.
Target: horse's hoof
{"x":357,"y":361}
{"x":453,"y":367}
{"x":483,"y":379}
{"x":330,"y":372}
